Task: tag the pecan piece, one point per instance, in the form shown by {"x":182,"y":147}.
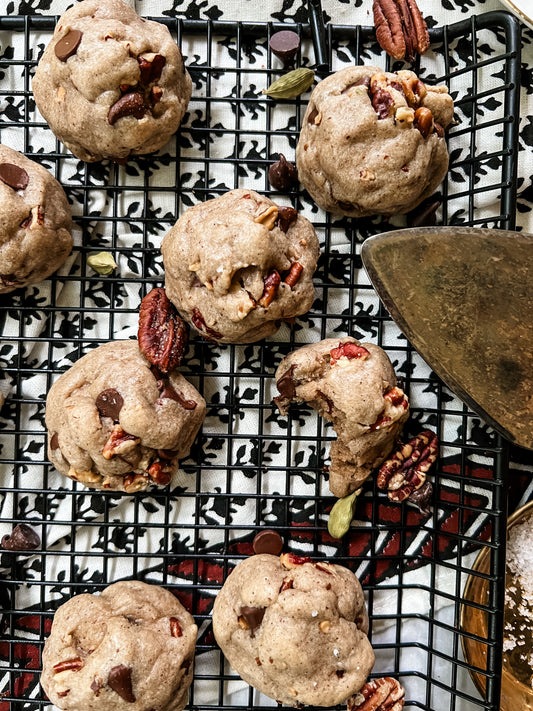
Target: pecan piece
{"x":268,"y":217}
{"x":151,"y":68}
{"x":384,"y":694}
{"x":289,"y":560}
{"x":162,"y":333}
{"x":396,"y":397}
{"x":119,"y":442}
{"x":349,"y":351}
{"x":175,"y":627}
{"x":155,"y":94}
{"x":199,"y":322}
{"x":34,"y":219}
{"x":131,"y":104}
{"x":423,"y":121}
{"x":286,"y":585}
{"x":272,"y":282}
{"x":294,"y":274}
{"x":135,"y":482}
{"x":405,"y":471}
{"x":400,"y":28}
{"x":68,"y":665}
{"x":158,"y":475}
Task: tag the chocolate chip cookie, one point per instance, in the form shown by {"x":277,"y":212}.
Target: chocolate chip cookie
{"x":295,"y":630}
{"x":353,"y":386}
{"x":372,"y":142}
{"x":116,"y":422}
{"x":237,"y":265}
{"x":133,"y":643}
{"x":111,"y":83}
{"x":35,"y":222}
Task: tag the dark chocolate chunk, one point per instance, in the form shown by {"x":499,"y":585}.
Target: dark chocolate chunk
{"x":285,"y":45}
{"x":68,"y":45}
{"x":268,"y":542}
{"x":425,"y":214}
{"x":54,"y":441}
{"x":22,"y":538}
{"x":119,"y":680}
{"x":283,"y":175}
{"x":286,"y":216}
{"x":421,"y":498}
{"x":131,"y":104}
{"x":286,"y":385}
{"x":109,"y":403}
{"x":15,"y":177}
{"x":169,"y":392}
{"x":253,"y":616}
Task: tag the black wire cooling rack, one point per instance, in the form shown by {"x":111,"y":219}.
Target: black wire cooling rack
{"x":251,"y":468}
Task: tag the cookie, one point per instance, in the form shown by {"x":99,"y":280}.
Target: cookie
{"x":111,"y":84}
{"x":372,"y":142}
{"x":131,"y":647}
{"x":295,"y":630}
{"x":353,"y":386}
{"x":115,"y":422}
{"x":35,"y":222}
{"x":237,"y":265}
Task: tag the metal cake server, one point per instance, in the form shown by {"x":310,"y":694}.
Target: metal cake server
{"x":463,"y":296}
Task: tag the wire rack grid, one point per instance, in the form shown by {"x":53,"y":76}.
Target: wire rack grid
{"x":251,"y":468}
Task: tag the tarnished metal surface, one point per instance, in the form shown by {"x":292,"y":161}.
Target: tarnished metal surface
{"x":464,"y":299}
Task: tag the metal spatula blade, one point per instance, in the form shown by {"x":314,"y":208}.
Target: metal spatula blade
{"x":464,"y":299}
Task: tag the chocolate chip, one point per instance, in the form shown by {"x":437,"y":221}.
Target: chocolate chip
{"x":128,"y":105}
{"x":15,"y":177}
{"x":109,"y":403}
{"x":54,"y":441}
{"x":253,"y":616}
{"x":286,"y":385}
{"x":421,"y":498}
{"x":283,"y":175}
{"x":425,"y":214}
{"x":268,"y":542}
{"x":22,"y":538}
{"x":119,"y":680}
{"x":340,"y":673}
{"x":286,"y":216}
{"x":312,"y":116}
{"x":285,"y":45}
{"x":68,"y":45}
{"x":169,"y":392}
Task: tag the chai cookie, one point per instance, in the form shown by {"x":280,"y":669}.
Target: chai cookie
{"x":353,"y":386}
{"x":111,"y":84}
{"x":237,"y":265}
{"x":131,"y":647}
{"x":295,"y":630}
{"x":35,"y":222}
{"x":116,"y":422}
{"x":372,"y":142}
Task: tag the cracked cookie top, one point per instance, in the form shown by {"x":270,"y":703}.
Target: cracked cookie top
{"x":372,"y":142}
{"x":237,"y":265}
{"x":116,"y":422}
{"x":352,"y":385}
{"x":35,"y":222}
{"x":133,"y":643}
{"x":295,"y":630}
{"x":111,"y":83}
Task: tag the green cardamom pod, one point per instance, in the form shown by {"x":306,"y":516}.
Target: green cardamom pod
{"x":292,"y":84}
{"x":341,"y":515}
{"x":102,"y":263}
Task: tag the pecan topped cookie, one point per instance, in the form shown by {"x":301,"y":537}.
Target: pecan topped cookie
{"x":237,"y":265}
{"x":35,"y":222}
{"x":353,"y":386}
{"x":372,"y":142}
{"x":111,"y":83}
{"x":295,"y":630}
{"x":115,"y":421}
